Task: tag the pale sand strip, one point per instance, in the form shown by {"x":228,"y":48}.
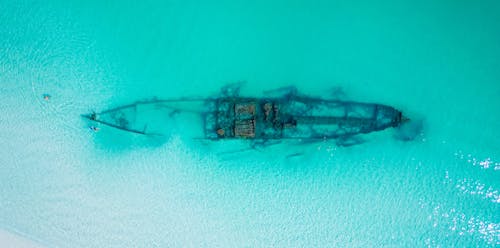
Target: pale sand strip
{"x":9,"y":239}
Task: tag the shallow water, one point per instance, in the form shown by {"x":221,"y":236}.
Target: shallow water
{"x":63,"y":185}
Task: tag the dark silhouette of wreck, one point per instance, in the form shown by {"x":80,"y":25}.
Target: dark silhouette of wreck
{"x":287,"y":116}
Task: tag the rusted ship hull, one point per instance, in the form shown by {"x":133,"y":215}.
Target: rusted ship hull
{"x":235,"y":117}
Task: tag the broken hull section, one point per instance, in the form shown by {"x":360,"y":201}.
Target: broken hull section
{"x":154,"y":117}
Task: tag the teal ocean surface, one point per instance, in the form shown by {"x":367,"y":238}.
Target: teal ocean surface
{"x":62,"y":185}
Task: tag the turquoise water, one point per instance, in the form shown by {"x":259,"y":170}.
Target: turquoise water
{"x":62,"y":185}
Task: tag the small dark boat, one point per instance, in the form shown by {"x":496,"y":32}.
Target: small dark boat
{"x":230,"y":116}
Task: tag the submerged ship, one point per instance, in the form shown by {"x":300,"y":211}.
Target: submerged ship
{"x":231,"y":116}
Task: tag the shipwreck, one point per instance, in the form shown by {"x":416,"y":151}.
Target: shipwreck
{"x":286,"y":116}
